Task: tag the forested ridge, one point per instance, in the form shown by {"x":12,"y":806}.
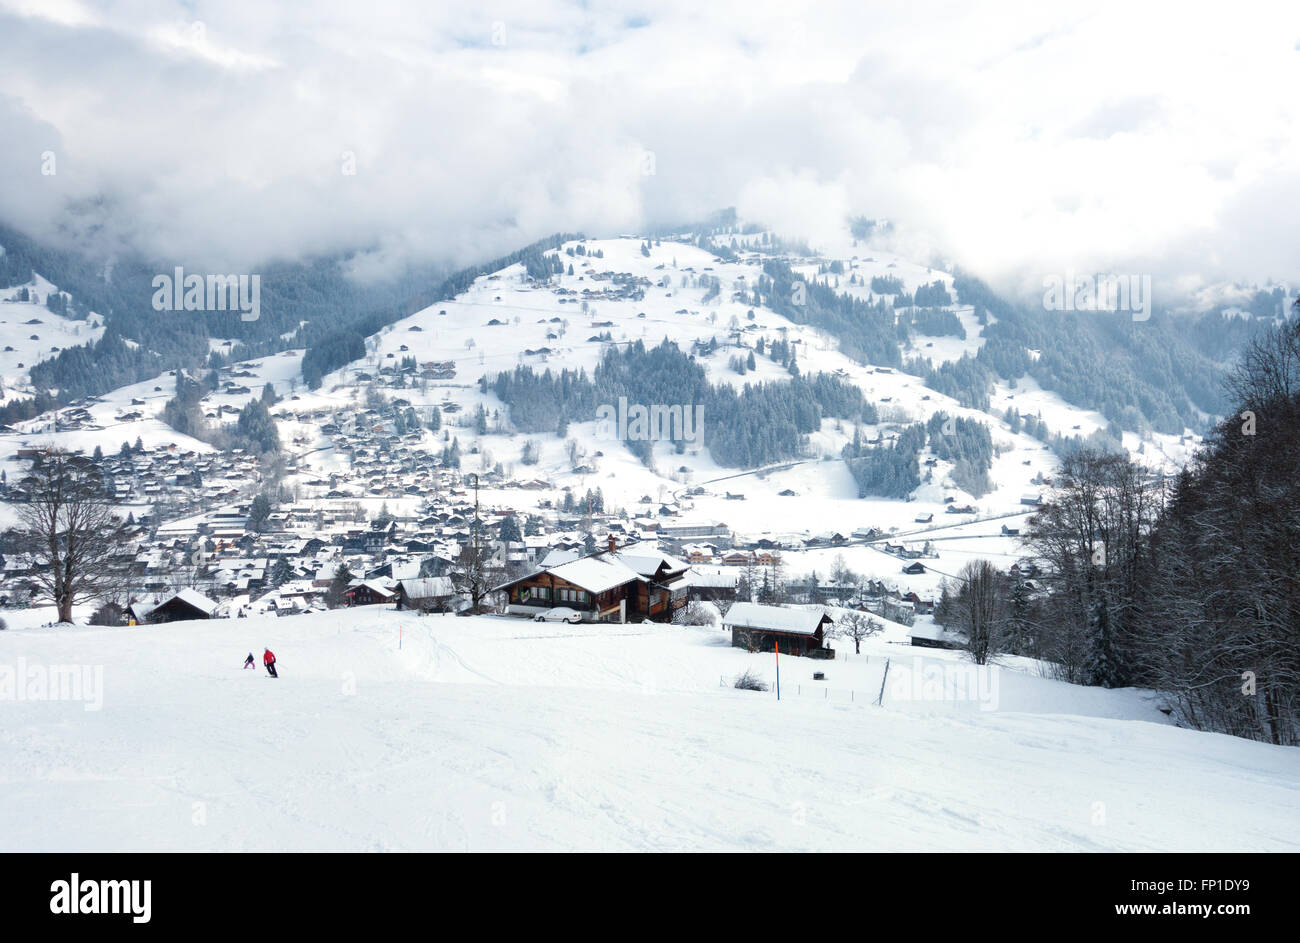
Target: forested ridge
{"x":1189,"y":586}
{"x":1162,"y":374}
{"x":759,"y":424}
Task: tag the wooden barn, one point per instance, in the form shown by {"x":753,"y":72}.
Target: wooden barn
{"x":760,"y":628}
{"x":430,"y":594}
{"x":931,"y":636}
{"x":183,"y":607}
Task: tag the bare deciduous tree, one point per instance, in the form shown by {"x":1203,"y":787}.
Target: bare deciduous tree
{"x":69,"y":526}
{"x":981,"y":609}
{"x":858,"y":626}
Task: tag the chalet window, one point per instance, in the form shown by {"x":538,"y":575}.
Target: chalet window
{"x":534,"y":593}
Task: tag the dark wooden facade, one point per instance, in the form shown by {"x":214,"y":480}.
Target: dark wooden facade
{"x":547,"y":590}
{"x":792,"y":643}
{"x":175,"y":610}
{"x":364,"y":595}
{"x":634,"y":600}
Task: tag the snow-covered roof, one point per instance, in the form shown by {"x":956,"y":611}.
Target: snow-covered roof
{"x":374,"y":586}
{"x":647,"y":561}
{"x":432,"y":586}
{"x":712,"y":580}
{"x":751,"y":615}
{"x":930,"y":631}
{"x":140,"y":609}
{"x":406,"y":569}
{"x":558,"y":557}
{"x":197,"y":600}
{"x":596,"y":573}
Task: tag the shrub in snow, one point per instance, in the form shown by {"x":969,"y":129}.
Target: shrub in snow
{"x":108,"y":614}
{"x":697,"y":613}
{"x":750,"y":682}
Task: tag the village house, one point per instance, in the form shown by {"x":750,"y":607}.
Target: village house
{"x":369,"y":593}
{"x":711,"y":587}
{"x":613,"y":585}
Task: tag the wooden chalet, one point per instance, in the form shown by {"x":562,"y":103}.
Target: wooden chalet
{"x":711,"y":587}
{"x":185,"y":606}
{"x":369,"y":593}
{"x":632,"y":584}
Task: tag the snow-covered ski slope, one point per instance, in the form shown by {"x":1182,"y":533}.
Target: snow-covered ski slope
{"x":490,"y":733}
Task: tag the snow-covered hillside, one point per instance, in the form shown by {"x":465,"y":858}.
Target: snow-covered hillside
{"x":392,"y":732}
{"x":506,"y":319}
{"x":30,"y":332}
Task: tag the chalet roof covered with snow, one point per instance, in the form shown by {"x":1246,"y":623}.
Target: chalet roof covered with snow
{"x":558,"y":557}
{"x":752,"y":615}
{"x":428,"y":588}
{"x":712,"y":580}
{"x":195,"y":599}
{"x":373,"y":585}
{"x":931,"y":632}
{"x":647,"y":561}
{"x":596,"y":573}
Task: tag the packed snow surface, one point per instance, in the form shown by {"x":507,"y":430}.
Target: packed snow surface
{"x":388,"y":731}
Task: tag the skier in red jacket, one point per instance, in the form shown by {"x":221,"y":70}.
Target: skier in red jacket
{"x":268,"y":659}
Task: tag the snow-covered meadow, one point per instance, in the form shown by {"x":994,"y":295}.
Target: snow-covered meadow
{"x":388,"y":731}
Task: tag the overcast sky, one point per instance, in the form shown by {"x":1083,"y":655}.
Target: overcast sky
{"x":1017,"y":140}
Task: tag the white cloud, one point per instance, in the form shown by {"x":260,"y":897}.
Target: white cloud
{"x":1021,"y":138}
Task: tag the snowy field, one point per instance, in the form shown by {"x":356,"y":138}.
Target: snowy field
{"x":393,"y":732}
